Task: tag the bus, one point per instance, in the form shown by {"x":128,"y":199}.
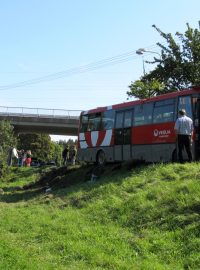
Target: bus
{"x":140,"y":130}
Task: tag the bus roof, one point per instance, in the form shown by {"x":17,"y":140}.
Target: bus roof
{"x":194,"y":90}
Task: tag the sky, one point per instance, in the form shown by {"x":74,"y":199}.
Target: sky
{"x":80,"y":54}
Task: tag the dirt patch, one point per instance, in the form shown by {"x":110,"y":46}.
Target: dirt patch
{"x":63,"y":177}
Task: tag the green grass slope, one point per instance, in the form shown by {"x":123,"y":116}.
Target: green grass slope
{"x":144,"y":218}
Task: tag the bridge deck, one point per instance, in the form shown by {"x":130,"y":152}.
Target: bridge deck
{"x":38,"y":121}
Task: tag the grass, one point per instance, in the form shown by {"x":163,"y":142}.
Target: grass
{"x":144,"y":218}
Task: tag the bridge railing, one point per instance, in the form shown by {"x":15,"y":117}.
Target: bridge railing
{"x":38,"y":112}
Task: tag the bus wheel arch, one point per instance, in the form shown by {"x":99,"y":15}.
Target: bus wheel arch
{"x":101,"y":157}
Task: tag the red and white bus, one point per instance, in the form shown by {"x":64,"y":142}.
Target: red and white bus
{"x":138,"y":130}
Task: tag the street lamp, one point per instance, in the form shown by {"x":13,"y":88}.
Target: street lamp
{"x":141,"y":51}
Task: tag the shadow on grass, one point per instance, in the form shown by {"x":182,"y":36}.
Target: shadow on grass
{"x":22,"y":173}
{"x":20,"y":195}
{"x":58,"y":179}
{"x":73,"y":179}
{"x":166,"y":215}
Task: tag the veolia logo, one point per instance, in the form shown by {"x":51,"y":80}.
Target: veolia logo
{"x":155,"y":132}
{"x":161,"y":133}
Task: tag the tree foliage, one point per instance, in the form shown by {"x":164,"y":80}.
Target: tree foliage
{"x":7,"y":137}
{"x":56,"y":153}
{"x":70,"y":142}
{"x":7,"y":140}
{"x":40,"y":145}
{"x":177,"y":68}
{"x":140,"y":89}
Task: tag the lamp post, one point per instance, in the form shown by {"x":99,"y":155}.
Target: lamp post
{"x":141,"y":51}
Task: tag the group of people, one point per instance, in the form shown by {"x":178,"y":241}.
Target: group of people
{"x":69,"y":155}
{"x":21,"y":157}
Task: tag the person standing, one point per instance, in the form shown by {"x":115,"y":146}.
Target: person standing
{"x":19,"y":158}
{"x":74,"y":153}
{"x":184,"y":131}
{"x":28,"y":158}
{"x":24,"y":158}
{"x":12,"y":156}
{"x":65,"y":155}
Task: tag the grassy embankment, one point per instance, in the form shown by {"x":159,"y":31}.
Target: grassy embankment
{"x":146,"y":218}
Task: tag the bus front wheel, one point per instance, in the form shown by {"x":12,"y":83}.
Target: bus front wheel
{"x":101,"y":158}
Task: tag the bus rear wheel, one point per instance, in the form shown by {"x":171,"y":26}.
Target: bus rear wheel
{"x":101,"y":158}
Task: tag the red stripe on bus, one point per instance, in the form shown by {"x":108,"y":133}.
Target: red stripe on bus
{"x":101,"y":137}
{"x":88,"y":138}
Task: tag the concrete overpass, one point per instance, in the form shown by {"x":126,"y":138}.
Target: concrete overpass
{"x":40,"y":120}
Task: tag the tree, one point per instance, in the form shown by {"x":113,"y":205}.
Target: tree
{"x":70,"y":142}
{"x":179,"y":64}
{"x":140,"y":89}
{"x":39,"y":144}
{"x":57,"y":153}
{"x":7,"y":141}
{"x":7,"y":136}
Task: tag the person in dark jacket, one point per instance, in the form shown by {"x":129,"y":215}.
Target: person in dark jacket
{"x":65,"y":155}
{"x":74,"y":153}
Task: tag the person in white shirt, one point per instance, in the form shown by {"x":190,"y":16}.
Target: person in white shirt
{"x":184,"y":130}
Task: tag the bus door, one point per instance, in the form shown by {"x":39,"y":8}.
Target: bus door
{"x":122,"y":135}
{"x":192,"y":105}
{"x":197,"y":129}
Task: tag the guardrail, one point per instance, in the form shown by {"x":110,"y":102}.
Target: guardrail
{"x":38,"y":112}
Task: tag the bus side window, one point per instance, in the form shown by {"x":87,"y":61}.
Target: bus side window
{"x":164,"y":111}
{"x":108,"y":119}
{"x":84,"y":123}
{"x":119,"y":120}
{"x":148,"y":110}
{"x":90,"y":125}
{"x":128,"y":118}
{"x":143,"y":114}
{"x":185,"y":103}
{"x":94,"y":122}
{"x":138,"y":115}
{"x":97,"y":122}
{"x":109,"y":124}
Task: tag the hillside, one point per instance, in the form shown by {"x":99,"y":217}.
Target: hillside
{"x":146,"y":217}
